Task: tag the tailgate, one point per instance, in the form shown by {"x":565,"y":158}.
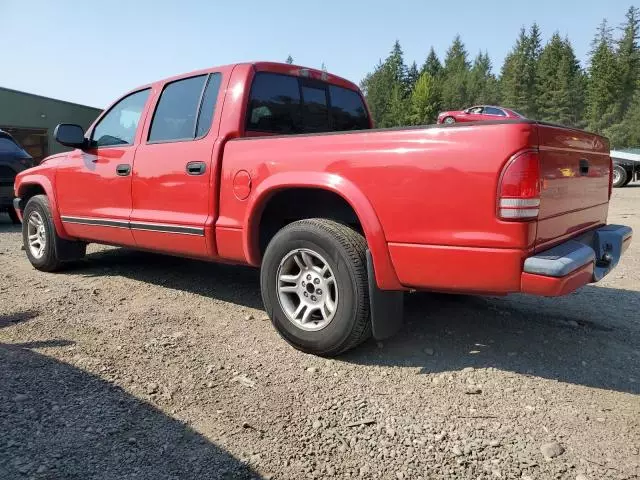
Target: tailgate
{"x":574,"y":170}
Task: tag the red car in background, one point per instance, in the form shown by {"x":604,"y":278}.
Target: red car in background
{"x":477,"y":114}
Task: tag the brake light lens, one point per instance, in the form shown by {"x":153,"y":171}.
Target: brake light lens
{"x":519,"y":187}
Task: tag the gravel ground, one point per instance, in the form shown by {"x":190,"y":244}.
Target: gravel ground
{"x":135,"y":365}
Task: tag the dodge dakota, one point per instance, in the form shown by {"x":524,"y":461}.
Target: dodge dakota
{"x":279,"y":167}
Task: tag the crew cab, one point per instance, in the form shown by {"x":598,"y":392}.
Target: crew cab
{"x":279,"y":167}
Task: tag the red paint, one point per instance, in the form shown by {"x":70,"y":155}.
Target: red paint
{"x":242,"y":184}
{"x":555,"y":287}
{"x":475,"y":270}
{"x":427,"y":198}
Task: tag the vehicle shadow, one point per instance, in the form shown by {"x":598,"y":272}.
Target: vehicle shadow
{"x":7,"y":226}
{"x":230,"y":283}
{"x":588,"y":338}
{"x":60,"y":422}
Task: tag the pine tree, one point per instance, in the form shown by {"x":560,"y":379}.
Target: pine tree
{"x":513,"y":82}
{"x":577,"y":85}
{"x":385,"y":89}
{"x":547,"y":79}
{"x":627,"y":132}
{"x":424,"y":101}
{"x":533,"y":51}
{"x":397,"y":112}
{"x":603,"y":105}
{"x":483,"y":85}
{"x":628,"y":53}
{"x":376,"y":87}
{"x":289,"y":60}
{"x":412,"y":77}
{"x":455,"y":74}
{"x":559,"y":81}
{"x":432,"y":64}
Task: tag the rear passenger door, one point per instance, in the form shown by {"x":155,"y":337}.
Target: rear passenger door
{"x":172,"y":174}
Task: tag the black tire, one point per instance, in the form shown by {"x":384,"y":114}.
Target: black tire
{"x":449,"y":120}
{"x":621,"y":179}
{"x":56,"y":250}
{"x":629,"y":179}
{"x":345,"y":252}
{"x":13,"y":216}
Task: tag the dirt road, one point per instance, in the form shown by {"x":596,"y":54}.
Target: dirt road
{"x":134,"y":365}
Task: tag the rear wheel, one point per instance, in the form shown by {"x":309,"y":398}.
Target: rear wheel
{"x":619,"y":176}
{"x":314,"y":286}
{"x":449,"y":121}
{"x":45,"y":249}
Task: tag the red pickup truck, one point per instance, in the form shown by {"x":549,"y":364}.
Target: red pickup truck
{"x":279,"y":167}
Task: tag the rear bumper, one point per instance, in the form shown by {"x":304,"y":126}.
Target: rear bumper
{"x":499,"y":271}
{"x":577,"y":262}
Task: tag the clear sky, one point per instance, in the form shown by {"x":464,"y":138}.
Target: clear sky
{"x":92,"y":51}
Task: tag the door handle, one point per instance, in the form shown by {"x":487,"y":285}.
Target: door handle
{"x":196,"y":168}
{"x":123,"y":169}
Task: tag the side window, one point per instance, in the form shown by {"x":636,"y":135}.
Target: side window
{"x":347,"y":110}
{"x":175,"y":115}
{"x":477,"y":110}
{"x":119,"y":125}
{"x":208,"y":105}
{"x":315,"y":113}
{"x":274,"y":104}
{"x":494,"y":111}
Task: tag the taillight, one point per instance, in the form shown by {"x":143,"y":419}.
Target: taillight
{"x":610,"y":177}
{"x":519,"y":187}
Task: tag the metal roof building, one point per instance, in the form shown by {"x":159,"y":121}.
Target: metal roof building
{"x":31,"y":119}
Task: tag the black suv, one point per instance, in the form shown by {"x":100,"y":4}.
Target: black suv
{"x":13,"y":159}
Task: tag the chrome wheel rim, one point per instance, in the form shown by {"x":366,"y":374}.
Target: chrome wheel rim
{"x":37,"y":235}
{"x":307,"y":289}
{"x":616,"y":176}
{"x":449,"y":120}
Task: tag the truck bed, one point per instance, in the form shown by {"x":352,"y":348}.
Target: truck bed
{"x":433,"y":190}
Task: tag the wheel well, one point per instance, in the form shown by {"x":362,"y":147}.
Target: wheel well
{"x":287,"y":206}
{"x":29,"y":191}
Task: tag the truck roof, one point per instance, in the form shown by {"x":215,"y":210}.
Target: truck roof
{"x":264,"y":66}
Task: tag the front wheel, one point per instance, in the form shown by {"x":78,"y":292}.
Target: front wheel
{"x":619,"y":176}
{"x":314,"y":286}
{"x":449,"y":121}
{"x":45,"y":249}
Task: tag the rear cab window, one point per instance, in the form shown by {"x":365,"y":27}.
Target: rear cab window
{"x":286,"y":104}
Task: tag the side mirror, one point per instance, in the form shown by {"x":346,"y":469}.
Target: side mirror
{"x":70,"y":135}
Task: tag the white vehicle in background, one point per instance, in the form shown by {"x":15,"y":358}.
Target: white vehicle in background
{"x":626,"y":166}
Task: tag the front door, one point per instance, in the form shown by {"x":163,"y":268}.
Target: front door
{"x":93,"y":185}
{"x":173,"y":171}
